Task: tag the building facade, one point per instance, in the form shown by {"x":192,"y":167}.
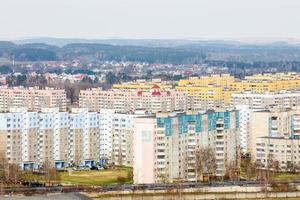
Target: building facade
{"x":116,"y":133}
{"x":275,"y":135}
{"x":124,"y":101}
{"x":165,"y":144}
{"x":32,"y":139}
{"x":79,"y":137}
{"x":33,"y":98}
{"x":280,"y":99}
{"x":219,"y":91}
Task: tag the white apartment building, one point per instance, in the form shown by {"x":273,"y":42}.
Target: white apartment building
{"x":33,"y":98}
{"x":32,"y":139}
{"x":165,"y":144}
{"x":282,"y":99}
{"x":62,"y":139}
{"x":83,"y":137}
{"x":52,"y":140}
{"x":19,"y":136}
{"x":116,"y":133}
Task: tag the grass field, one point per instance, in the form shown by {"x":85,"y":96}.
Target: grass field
{"x":279,"y":176}
{"x":102,"y":177}
{"x":93,"y":177}
{"x":286,"y":176}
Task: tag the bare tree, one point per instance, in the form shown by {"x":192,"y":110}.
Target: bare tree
{"x":51,"y":174}
{"x":12,"y":173}
{"x":232,"y":170}
{"x":3,"y":165}
{"x":272,"y":163}
{"x":163,"y":177}
{"x":251,"y":170}
{"x":249,"y":167}
{"x":205,"y":161}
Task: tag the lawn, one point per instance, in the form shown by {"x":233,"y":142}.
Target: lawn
{"x":279,"y":176}
{"x":102,"y":177}
{"x":93,"y":177}
{"x":283,"y":176}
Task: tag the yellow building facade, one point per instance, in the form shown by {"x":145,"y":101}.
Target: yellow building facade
{"x":219,"y":88}
{"x":143,"y":85}
{"x":213,"y":91}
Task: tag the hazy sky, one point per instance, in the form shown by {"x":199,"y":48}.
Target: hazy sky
{"x":150,"y":18}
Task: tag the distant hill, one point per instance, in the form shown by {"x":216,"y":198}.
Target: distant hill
{"x":152,"y":51}
{"x":123,"y":42}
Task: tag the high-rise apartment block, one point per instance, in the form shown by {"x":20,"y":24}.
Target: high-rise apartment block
{"x":116,"y":136}
{"x":33,"y":98}
{"x":266,"y":100}
{"x":143,"y":85}
{"x":216,"y":91}
{"x":125,"y":101}
{"x":207,"y":92}
{"x":249,"y":102}
{"x":165,"y":144}
{"x":31,"y":139}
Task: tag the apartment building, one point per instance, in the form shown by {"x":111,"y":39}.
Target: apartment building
{"x":215,"y":91}
{"x":83,"y":137}
{"x":203,"y":81}
{"x":116,"y":133}
{"x":19,"y":131}
{"x":52,"y":138}
{"x":244,"y":120}
{"x":31,"y":139}
{"x":165,"y":144}
{"x":207,"y":97}
{"x":266,"y":100}
{"x":143,"y":85}
{"x":249,"y":102}
{"x":33,"y":98}
{"x":271,"y":82}
{"x":207,"y":92}
{"x":275,"y":135}
{"x":124,"y":101}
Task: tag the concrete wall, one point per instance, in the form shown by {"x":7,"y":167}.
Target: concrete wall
{"x":178,"y":196}
{"x":230,"y":192}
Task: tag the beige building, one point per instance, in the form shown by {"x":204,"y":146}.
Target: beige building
{"x":165,"y":144}
{"x":124,"y":101}
{"x":276,"y":133}
{"x":33,"y":98}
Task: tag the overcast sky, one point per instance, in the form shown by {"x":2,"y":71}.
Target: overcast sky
{"x":192,"y":19}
